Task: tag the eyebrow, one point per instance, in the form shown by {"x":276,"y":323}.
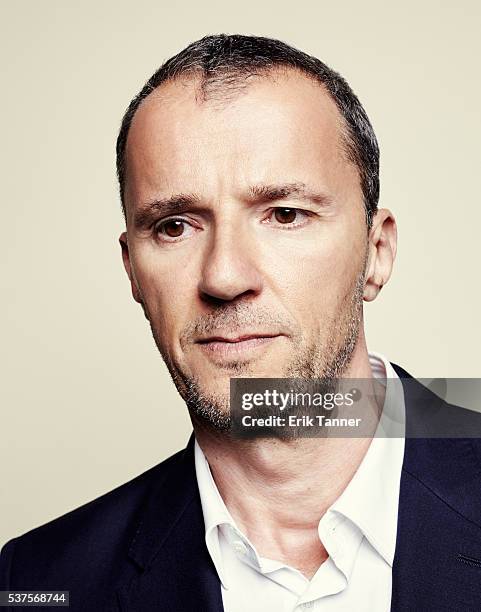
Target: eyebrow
{"x":295,"y":191}
{"x":167,"y":206}
{"x":257,"y":194}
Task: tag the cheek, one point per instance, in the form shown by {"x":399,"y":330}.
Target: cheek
{"x":314,"y":275}
{"x":166,"y":288}
{"x":311,"y":289}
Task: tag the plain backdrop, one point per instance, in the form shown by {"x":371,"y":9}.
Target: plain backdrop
{"x":86,"y":402}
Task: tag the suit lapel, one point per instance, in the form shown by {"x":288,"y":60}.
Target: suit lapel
{"x":175,"y":571}
{"x":437,"y":563}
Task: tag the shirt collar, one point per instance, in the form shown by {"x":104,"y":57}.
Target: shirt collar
{"x":214,"y":510}
{"x":379,"y":473}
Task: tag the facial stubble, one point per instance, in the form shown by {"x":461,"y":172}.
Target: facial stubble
{"x":327,"y":361}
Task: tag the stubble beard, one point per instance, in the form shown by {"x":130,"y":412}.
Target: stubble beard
{"x":327,"y":361}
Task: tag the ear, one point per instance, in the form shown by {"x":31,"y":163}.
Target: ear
{"x":128,"y":267}
{"x":382,"y":245}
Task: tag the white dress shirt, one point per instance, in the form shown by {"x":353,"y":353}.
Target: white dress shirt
{"x":358,"y":531}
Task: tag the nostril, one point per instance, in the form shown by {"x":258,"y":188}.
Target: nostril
{"x":216,"y":302}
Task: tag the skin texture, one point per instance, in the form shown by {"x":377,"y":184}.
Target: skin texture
{"x":268,"y":239}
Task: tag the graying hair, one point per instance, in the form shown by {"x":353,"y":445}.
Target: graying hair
{"x":227,"y":61}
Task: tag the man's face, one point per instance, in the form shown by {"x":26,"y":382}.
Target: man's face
{"x":246,"y":234}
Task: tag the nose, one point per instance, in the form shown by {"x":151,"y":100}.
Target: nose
{"x":230,"y":267}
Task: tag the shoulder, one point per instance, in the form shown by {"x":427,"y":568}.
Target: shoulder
{"x":92,"y":534}
{"x":442,"y":449}
{"x":428,"y":415}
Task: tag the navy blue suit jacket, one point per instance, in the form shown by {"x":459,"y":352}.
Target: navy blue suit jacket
{"x":141,"y":547}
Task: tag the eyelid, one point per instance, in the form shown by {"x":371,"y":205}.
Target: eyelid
{"x":168,"y":219}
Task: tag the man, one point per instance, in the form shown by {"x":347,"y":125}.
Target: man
{"x":249,"y":182}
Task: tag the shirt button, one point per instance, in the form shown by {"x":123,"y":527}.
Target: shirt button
{"x":239,"y":547}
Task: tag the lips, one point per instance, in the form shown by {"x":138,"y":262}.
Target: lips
{"x":244,"y":347}
{"x":236,"y":339}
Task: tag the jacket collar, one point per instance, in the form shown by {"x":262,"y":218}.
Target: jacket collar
{"x":174,"y":569}
{"x":169,"y":498}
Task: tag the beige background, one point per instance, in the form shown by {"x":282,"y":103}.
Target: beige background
{"x":86,"y":403}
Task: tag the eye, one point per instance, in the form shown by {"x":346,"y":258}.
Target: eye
{"x":287,"y":216}
{"x":172,"y":229}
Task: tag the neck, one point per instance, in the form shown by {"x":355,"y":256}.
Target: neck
{"x":272,"y":490}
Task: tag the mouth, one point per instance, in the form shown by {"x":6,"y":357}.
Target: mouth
{"x":244,"y":346}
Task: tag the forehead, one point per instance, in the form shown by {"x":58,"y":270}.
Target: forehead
{"x":274,"y":125}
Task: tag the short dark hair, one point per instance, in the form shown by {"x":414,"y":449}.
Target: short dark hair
{"x":225,"y":60}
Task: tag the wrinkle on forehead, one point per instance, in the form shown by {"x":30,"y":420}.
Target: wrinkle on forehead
{"x":220,"y":88}
{"x":177,"y":100}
